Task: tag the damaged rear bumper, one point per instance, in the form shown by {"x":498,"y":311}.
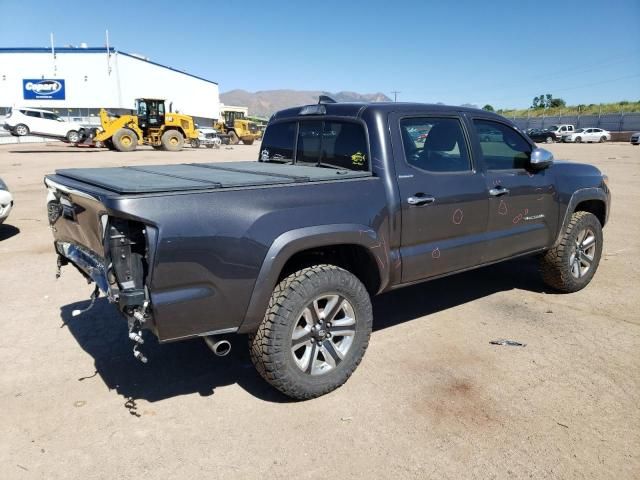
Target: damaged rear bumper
{"x":90,"y":265}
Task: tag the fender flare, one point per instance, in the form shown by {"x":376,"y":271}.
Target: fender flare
{"x":579,"y":196}
{"x":289,"y":243}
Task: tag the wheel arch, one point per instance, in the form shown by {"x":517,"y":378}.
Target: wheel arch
{"x":355,"y":248}
{"x":593,"y":200}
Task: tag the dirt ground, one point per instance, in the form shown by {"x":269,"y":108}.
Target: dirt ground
{"x":432,"y":398}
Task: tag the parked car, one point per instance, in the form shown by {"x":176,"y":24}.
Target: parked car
{"x":26,"y":121}
{"x":290,"y":248}
{"x":6,"y":201}
{"x":209,"y":137}
{"x":635,"y":138}
{"x":546,"y":136}
{"x":588,"y":135}
{"x":561,"y":130}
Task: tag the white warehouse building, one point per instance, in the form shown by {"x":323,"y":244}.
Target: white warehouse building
{"x":77,"y":82}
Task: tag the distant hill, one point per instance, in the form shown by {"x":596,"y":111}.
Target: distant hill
{"x":266,"y":102}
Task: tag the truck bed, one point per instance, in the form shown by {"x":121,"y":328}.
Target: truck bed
{"x":198,"y":176}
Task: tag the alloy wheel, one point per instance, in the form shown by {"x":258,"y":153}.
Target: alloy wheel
{"x":583,"y":253}
{"x":323,"y":334}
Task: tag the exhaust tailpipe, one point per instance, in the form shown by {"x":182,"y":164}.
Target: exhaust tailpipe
{"x":220,"y":347}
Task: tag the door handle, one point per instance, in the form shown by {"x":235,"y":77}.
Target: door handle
{"x":419,"y":200}
{"x":498,"y":191}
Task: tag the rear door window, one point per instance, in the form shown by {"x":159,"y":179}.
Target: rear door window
{"x":31,"y":113}
{"x":435,"y":144}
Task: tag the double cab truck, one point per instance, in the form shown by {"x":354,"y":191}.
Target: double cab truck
{"x":342,"y":203}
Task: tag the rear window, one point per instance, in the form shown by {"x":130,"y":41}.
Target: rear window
{"x":328,"y":143}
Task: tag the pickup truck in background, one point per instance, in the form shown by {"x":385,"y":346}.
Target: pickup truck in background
{"x":343,"y":203}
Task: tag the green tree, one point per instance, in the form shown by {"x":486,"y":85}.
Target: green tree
{"x":557,"y":102}
{"x":488,"y":108}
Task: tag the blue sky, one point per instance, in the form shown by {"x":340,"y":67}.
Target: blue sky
{"x":501,"y":52}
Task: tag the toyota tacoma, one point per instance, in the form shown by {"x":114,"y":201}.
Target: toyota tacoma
{"x":345,"y":201}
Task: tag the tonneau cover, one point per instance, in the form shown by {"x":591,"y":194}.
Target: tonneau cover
{"x":197,"y":176}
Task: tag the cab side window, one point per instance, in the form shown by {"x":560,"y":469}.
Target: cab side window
{"x":503,"y":148}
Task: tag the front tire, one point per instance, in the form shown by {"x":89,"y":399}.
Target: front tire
{"x":233,"y":138}
{"x":195,"y":143}
{"x":571,"y":265}
{"x":578,"y":140}
{"x":549,"y":140}
{"x":315,"y":332}
{"x":125,"y":140}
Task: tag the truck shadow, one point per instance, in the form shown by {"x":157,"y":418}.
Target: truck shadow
{"x":413,"y":302}
{"x":8,"y":231}
{"x":188,"y":367}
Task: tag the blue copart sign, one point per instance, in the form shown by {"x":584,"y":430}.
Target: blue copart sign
{"x":45,"y":89}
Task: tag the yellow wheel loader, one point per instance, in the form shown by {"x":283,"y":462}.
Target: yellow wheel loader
{"x":234,"y":127}
{"x":152,"y":125}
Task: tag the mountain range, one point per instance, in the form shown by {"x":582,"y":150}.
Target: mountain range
{"x":264,"y":103}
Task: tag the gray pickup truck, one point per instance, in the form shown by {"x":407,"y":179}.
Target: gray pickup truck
{"x":345,"y":201}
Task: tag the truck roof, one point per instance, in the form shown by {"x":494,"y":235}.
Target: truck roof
{"x":357,"y":109}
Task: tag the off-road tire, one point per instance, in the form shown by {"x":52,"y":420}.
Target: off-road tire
{"x":125,"y":140}
{"x":172,"y":141}
{"x":233,"y":138}
{"x":555,"y":266}
{"x":73,"y":136}
{"x":21,"y":130}
{"x":247,"y":141}
{"x":270,"y":347}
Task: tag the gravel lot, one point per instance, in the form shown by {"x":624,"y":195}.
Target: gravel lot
{"x":432,"y":398}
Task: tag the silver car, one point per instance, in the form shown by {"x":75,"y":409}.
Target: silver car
{"x":635,"y":138}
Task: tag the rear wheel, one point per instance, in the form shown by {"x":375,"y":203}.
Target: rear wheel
{"x":315,"y":332}
{"x":571,"y":265}
{"x":233,"y":138}
{"x":125,"y":140}
{"x":603,"y":139}
{"x":21,"y":130}
{"x":73,"y":136}
{"x":172,"y":141}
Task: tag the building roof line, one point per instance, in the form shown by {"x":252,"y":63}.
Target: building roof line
{"x":97,"y":50}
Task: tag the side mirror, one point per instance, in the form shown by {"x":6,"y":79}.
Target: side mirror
{"x":540,"y":158}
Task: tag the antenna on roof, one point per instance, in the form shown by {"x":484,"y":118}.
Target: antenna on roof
{"x":325,"y":99}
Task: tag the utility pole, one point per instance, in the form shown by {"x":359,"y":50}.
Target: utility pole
{"x":395,"y":95}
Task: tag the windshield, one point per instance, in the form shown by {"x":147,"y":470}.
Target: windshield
{"x":552,"y":127}
{"x":580,"y":130}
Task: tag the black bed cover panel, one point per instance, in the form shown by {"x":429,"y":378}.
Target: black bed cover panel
{"x":198,"y":176}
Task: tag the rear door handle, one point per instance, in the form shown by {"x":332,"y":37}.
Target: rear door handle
{"x":498,"y":191}
{"x":419,"y":200}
